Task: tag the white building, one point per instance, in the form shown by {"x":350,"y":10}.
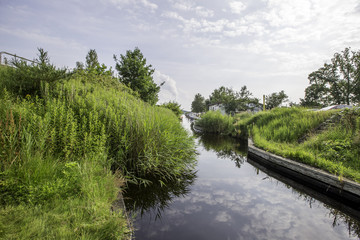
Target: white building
{"x":217,"y":107}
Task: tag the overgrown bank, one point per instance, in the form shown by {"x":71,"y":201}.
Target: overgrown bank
{"x":294,"y":133}
{"x":66,"y":150}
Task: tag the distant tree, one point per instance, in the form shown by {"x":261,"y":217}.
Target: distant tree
{"x":173,"y":106}
{"x":335,"y":83}
{"x":134,"y":73}
{"x":244,"y":98}
{"x":232,"y":100}
{"x":92,"y":66}
{"x":274,"y":100}
{"x":91,"y":60}
{"x":198,"y":105}
{"x":79,"y":66}
{"x":226,"y":96}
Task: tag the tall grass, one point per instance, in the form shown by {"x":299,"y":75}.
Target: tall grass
{"x":215,"y":122}
{"x":335,"y":150}
{"x":59,"y":154}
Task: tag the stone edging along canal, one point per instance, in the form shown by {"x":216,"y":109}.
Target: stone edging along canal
{"x":346,"y":191}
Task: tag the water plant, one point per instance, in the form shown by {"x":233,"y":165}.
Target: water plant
{"x":215,"y":122}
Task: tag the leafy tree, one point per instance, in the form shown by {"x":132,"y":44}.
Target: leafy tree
{"x":134,"y":73}
{"x":335,"y":83}
{"x":232,"y":100}
{"x":92,"y":65}
{"x":198,"y":105}
{"x":173,"y":106}
{"x":92,"y":59}
{"x":31,"y":78}
{"x":226,"y":96}
{"x":244,"y":99}
{"x":275,"y":99}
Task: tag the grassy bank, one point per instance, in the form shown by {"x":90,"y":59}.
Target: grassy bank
{"x":65,"y":152}
{"x":335,"y":149}
{"x":215,"y":122}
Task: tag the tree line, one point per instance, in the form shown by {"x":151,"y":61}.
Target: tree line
{"x":337,"y":82}
{"x":236,"y":101}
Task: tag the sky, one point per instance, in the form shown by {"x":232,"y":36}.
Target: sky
{"x":195,"y":46}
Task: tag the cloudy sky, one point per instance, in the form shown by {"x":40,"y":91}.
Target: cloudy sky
{"x":195,"y":46}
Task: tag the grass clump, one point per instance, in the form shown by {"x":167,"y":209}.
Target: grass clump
{"x":215,"y":122}
{"x":334,"y":149}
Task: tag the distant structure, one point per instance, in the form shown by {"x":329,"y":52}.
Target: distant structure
{"x":217,"y":107}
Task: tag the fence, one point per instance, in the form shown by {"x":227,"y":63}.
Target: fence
{"x":5,"y":61}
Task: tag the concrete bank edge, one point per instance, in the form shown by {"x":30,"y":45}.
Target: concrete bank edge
{"x":306,"y":170}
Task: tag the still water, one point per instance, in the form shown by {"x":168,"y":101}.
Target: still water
{"x":231,"y":197}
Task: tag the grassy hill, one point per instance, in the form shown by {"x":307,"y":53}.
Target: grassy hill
{"x":66,"y":152}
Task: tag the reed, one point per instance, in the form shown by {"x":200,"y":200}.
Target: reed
{"x":215,"y":122}
{"x":59,"y":154}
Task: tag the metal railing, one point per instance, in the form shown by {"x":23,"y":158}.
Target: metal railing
{"x":5,"y":61}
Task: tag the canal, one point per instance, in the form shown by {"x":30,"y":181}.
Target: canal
{"x":231,"y":197}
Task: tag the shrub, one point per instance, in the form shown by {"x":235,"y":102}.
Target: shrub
{"x":215,"y":122}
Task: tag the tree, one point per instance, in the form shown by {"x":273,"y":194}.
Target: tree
{"x":198,"y":105}
{"x":134,"y":73}
{"x":173,"y":106}
{"x":92,"y":66}
{"x":335,"y":83}
{"x":30,"y":79}
{"x":275,"y":99}
{"x":226,"y":96}
{"x":232,"y":100}
{"x":244,"y":99}
{"x":91,"y":60}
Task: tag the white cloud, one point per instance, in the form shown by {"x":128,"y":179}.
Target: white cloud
{"x":40,"y":37}
{"x":237,"y":7}
{"x":183,"y":5}
{"x":150,"y":5}
{"x":173,"y":15}
{"x":122,"y":3}
{"x":191,"y":7}
{"x":169,"y":91}
{"x":203,"y":12}
{"x":117,"y":3}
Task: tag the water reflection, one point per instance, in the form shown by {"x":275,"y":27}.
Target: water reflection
{"x":340,"y":213}
{"x":221,"y":201}
{"x":153,"y":199}
{"x":225,"y":147}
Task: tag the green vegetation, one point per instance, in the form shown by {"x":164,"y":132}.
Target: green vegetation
{"x":335,"y":149}
{"x":65,"y":152}
{"x":215,"y":122}
{"x":198,"y":105}
{"x":236,"y":101}
{"x":134,"y":73}
{"x":337,"y":82}
{"x":276,"y":99}
{"x":173,"y":106}
{"x":232,"y":100}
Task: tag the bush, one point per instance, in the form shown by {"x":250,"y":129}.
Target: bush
{"x":24,"y":79}
{"x":215,"y":122}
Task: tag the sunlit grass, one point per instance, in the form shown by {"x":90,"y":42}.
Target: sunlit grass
{"x":59,"y":154}
{"x":335,"y":149}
